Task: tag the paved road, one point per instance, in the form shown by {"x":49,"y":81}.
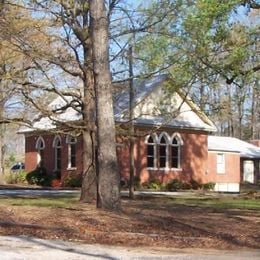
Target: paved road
{"x":22,"y":247}
{"x":63,"y":192}
{"x":36,"y":192}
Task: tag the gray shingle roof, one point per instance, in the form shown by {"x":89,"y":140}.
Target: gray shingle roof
{"x":231,"y":144}
{"x":189,"y":118}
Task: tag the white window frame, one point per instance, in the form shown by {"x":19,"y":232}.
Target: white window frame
{"x":167,"y":138}
{"x":55,"y":145}
{"x":176,"y":136}
{"x":71,"y":140}
{"x":155,"y":140}
{"x":157,"y":143}
{"x":221,"y":163}
{"x":39,"y":146}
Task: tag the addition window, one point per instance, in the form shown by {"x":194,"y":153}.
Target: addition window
{"x":220,"y":163}
{"x":72,"y":142}
{"x":151,"y":151}
{"x":57,"y":153}
{"x":40,"y":146}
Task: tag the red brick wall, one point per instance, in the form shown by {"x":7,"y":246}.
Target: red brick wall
{"x":30,"y":153}
{"x":193,"y":159}
{"x":232,"y":168}
{"x":49,"y":155}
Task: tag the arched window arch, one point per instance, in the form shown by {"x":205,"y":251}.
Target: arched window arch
{"x":151,"y":141}
{"x":163,"y":150}
{"x":40,"y":146}
{"x":176,"y":142}
{"x":72,"y":142}
{"x":57,"y":153}
{"x":56,"y":141}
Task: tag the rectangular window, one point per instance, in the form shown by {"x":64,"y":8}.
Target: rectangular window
{"x":72,"y":156}
{"x":58,"y":158}
{"x":41,"y":164}
{"x":220,"y":163}
{"x":163,"y":154}
{"x":150,"y":150}
{"x":150,"y":156}
{"x":150,"y":162}
{"x":175,"y":162}
{"x":175,"y":157}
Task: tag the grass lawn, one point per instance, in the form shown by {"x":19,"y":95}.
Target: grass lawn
{"x":220,"y":201}
{"x":224,"y":202}
{"x":46,"y":201}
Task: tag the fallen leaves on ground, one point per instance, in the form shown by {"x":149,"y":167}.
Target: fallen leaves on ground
{"x":140,"y":223}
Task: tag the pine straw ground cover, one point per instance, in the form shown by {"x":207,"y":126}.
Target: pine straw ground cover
{"x":154,"y":221}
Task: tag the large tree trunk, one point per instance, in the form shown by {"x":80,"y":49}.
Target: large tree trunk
{"x":108,"y":173}
{"x":1,"y":139}
{"x":89,"y":181}
{"x":255,"y":112}
{"x":131,"y":118}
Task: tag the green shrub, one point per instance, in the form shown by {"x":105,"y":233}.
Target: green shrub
{"x":21,"y":177}
{"x":154,"y":185}
{"x":11,"y":159}
{"x":145,"y":185}
{"x":208,"y":186}
{"x":39,"y":177}
{"x":16,"y":178}
{"x":163,"y":186}
{"x":137,"y":182}
{"x":195,"y":185}
{"x":10,"y":178}
{"x":73,"y":182}
{"x":174,"y":185}
{"x":186,"y":186}
{"x":124,"y":184}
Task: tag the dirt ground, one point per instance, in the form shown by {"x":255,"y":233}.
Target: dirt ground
{"x":142,"y":222}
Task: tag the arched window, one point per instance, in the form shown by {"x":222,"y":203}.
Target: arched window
{"x":57,"y":153}
{"x":163,"y":150}
{"x":40,"y":146}
{"x":151,"y":151}
{"x":176,"y":143}
{"x":71,"y":141}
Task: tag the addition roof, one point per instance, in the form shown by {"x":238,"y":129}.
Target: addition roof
{"x":231,"y":144}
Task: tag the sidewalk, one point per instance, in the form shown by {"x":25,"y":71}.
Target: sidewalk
{"x":22,"y":247}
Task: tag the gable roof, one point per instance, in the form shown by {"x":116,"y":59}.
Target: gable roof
{"x":231,"y":144}
{"x":50,"y":122}
{"x":142,"y":88}
{"x":182,"y":114}
{"x":186,"y":115}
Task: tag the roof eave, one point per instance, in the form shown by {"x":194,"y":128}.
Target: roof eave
{"x":171,"y":126}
